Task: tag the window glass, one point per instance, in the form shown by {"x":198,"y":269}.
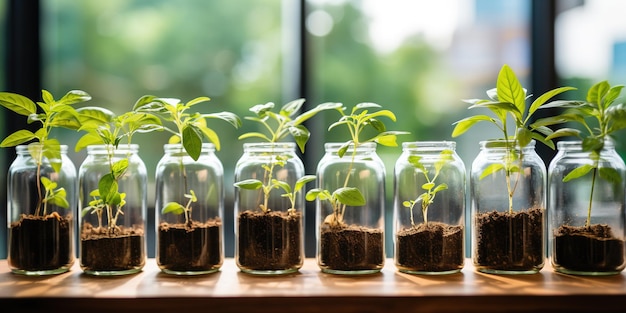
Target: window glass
{"x":117,"y":51}
{"x":590,"y":46}
{"x":418,"y":59}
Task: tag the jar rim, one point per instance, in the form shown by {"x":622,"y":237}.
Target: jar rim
{"x":103,"y":149}
{"x":21,"y":149}
{"x":577,"y":144}
{"x":501,"y":143}
{"x":264,"y":146}
{"x":178,"y":147}
{"x":429,"y":145}
{"x":332,"y":146}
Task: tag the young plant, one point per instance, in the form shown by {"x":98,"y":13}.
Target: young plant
{"x":53,"y":114}
{"x":292,"y":194}
{"x":608,"y":117}
{"x":508,"y":103}
{"x":279,"y":126}
{"x":357,"y":121}
{"x":104,"y":128}
{"x":190,"y":129}
{"x":431,"y":188}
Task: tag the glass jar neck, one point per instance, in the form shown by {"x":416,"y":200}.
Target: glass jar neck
{"x":123,"y":149}
{"x":577,"y":146}
{"x":35,"y":148}
{"x":271,"y":147}
{"x":364,"y":148}
{"x":177,"y":149}
{"x":505,"y":145}
{"x":428,"y":146}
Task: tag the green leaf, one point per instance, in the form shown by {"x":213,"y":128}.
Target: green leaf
{"x":564,"y":132}
{"x":542,"y":139}
{"x":440,"y":187}
{"x":75,"y":96}
{"x":613,"y":93}
{"x":174,"y":208}
{"x":262,"y":109}
{"x":93,"y":117}
{"x":416,"y":161}
{"x":301,"y":135}
{"x":87,"y":140}
{"x":16,"y":138}
{"x":212,"y":136}
{"x":17,"y":103}
{"x":428,"y":186}
{"x":385,"y":113}
{"x":292,"y":107}
{"x":491,"y":169}
{"x":547,"y":96}
{"x":254,"y":135}
{"x":365,"y":105}
{"x":250,"y":184}
{"x":578,"y":172}
{"x":60,"y":201}
{"x":465,"y":124}
{"x":349,"y":196}
{"x":47,"y":183}
{"x":192,"y":141}
{"x":108,"y":188}
{"x":283,"y":185}
{"x":524,"y":136}
{"x":197,"y":100}
{"x":510,"y":90}
{"x":317,"y":193}
{"x":597,"y":92}
{"x":344,"y":147}
{"x":119,"y":168}
{"x":228,"y":117}
{"x":593,"y":144}
{"x":303,"y":181}
{"x":610,"y":174}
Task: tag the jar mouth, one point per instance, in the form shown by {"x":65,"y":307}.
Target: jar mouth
{"x":105,"y":149}
{"x":36,"y":145}
{"x":503,"y":144}
{"x":268,"y":146}
{"x":178,"y":148}
{"x":334,"y":146}
{"x":577,"y":144}
{"x":429,"y":145}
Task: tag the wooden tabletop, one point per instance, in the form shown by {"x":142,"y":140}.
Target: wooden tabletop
{"x":310,"y":290}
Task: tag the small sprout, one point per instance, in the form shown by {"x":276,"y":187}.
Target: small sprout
{"x":279,"y":125}
{"x":431,"y":188}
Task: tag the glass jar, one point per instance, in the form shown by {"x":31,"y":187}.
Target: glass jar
{"x":269,"y":231}
{"x":508,"y":231}
{"x":112,"y":234}
{"x":41,"y":223}
{"x":586,"y":213}
{"x":189,"y":210}
{"x":429,"y":206}
{"x":351,"y":238}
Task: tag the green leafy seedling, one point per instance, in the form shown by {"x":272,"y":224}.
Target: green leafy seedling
{"x":507,"y":102}
{"x":50,"y":113}
{"x":357,"y":121}
{"x":609,"y":118}
{"x":279,"y":125}
{"x":431,"y":188}
{"x":190,"y":129}
{"x":102,"y":127}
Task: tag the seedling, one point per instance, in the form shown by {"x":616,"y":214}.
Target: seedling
{"x":431,"y":188}
{"x":190,"y":129}
{"x":104,"y":128}
{"x":53,"y":114}
{"x":508,"y":102}
{"x":358,"y":119}
{"x":609,"y":118}
{"x":279,"y":126}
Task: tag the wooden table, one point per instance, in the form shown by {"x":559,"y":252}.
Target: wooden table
{"x":229,"y":290}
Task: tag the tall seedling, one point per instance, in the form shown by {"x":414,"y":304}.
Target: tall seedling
{"x":51,"y":114}
{"x":507,"y":102}
{"x":357,"y":121}
{"x":190,"y":130}
{"x":608,"y":119}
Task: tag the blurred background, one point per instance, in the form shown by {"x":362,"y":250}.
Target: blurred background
{"x":416,"y":58}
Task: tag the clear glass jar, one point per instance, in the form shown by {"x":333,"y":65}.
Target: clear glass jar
{"x":586,"y":217}
{"x":189,"y":230}
{"x":41,"y":232}
{"x":351,"y":238}
{"x":269,"y":232}
{"x":429,"y":206}
{"x":508,"y":235}
{"x":112,"y":237}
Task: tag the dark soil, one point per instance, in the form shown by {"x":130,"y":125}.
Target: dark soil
{"x":119,"y":250}
{"x":588,"y":249}
{"x":510,"y":241}
{"x":351,"y":248}
{"x":431,"y":247}
{"x":41,"y":243}
{"x":190,"y":249}
{"x":270,"y":241}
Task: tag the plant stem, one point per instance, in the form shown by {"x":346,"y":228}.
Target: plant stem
{"x":593,"y":184}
